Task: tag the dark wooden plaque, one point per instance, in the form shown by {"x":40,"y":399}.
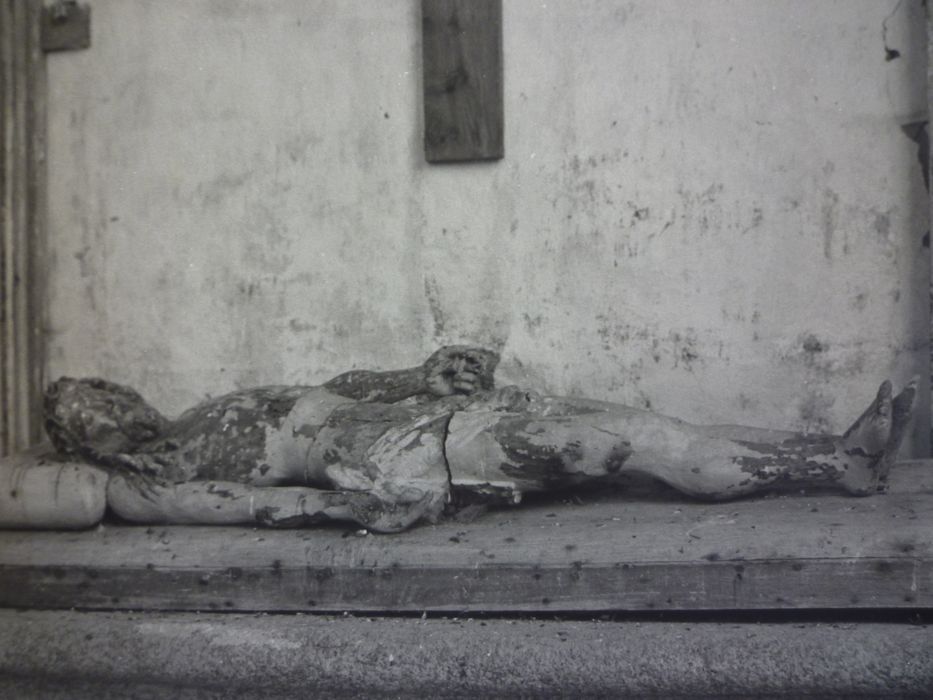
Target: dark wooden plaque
{"x":463,"y":100}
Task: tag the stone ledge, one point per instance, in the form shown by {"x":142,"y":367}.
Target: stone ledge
{"x":100,"y":655}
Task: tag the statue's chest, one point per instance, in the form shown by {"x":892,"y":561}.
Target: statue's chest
{"x":227,"y":438}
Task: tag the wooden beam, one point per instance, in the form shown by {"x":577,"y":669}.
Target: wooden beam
{"x":22,"y":223}
{"x":634,"y":551}
{"x":462,"y":63}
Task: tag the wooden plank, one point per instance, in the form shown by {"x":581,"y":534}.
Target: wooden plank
{"x":639,"y":551}
{"x":742,"y":585}
{"x":22,"y":224}
{"x":463,"y":93}
{"x":8,"y":43}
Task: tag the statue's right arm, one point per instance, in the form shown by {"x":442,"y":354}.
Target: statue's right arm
{"x":384,"y":387}
{"x":452,"y":370}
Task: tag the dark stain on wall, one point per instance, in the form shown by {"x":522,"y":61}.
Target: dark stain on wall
{"x":432,"y":295}
{"x":828,"y":209}
{"x":860,"y":301}
{"x":890,"y":53}
{"x":686,"y":351}
{"x":918,"y":133}
{"x":814,"y":411}
{"x":812,"y":346}
{"x":882,"y":224}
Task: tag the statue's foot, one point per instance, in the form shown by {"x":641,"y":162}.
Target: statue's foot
{"x":902,"y":408}
{"x":863,"y":445}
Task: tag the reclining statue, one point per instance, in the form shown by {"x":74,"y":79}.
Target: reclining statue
{"x":388,"y":449}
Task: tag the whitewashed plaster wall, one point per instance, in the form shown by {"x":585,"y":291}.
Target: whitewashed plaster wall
{"x":705,"y":207}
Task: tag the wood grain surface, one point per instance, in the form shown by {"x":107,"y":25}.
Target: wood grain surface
{"x":463,"y":93}
{"x":22,"y":225}
{"x":647,"y":549}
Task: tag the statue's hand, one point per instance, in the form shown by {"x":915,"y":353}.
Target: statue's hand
{"x":460,"y":369}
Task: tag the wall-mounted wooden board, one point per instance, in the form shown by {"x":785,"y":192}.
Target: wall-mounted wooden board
{"x":66,"y":27}
{"x":463,"y":99}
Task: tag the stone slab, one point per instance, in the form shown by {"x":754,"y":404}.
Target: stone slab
{"x":105,"y":655}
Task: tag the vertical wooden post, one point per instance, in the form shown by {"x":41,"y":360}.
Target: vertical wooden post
{"x":22,"y":223}
{"x":928,"y":167}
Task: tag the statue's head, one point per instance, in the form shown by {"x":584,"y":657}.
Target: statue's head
{"x":460,"y":369}
{"x":95,"y":418}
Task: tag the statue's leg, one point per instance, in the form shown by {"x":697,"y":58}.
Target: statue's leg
{"x":714,"y":465}
{"x":901,"y":413}
{"x":506,"y":454}
{"x":559,"y":442}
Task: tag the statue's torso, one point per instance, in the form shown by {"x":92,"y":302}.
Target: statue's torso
{"x":225,"y":438}
{"x":491,"y":446}
{"x":280,"y":435}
